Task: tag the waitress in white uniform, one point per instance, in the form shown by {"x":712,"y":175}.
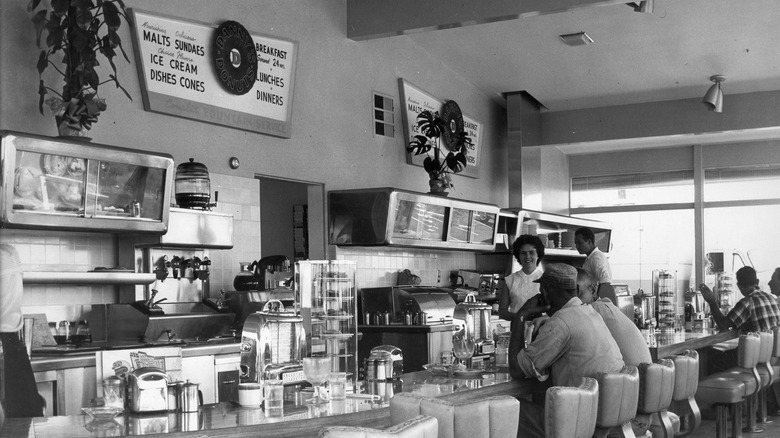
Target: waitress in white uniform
{"x":519,"y":286}
{"x":19,"y":393}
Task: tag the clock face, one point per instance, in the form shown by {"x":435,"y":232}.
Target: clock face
{"x":453,"y":120}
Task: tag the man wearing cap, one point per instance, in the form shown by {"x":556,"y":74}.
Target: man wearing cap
{"x":574,"y":342}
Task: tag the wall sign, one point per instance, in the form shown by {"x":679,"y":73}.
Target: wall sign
{"x":415,"y":101}
{"x":178,"y":64}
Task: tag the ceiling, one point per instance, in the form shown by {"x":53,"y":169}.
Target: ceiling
{"x":635,"y":57}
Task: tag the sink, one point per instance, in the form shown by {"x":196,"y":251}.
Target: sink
{"x":177,"y":321}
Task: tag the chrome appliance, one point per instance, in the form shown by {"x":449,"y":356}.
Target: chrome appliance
{"x":385,"y":362}
{"x":474,"y":317}
{"x":428,"y":305}
{"x":273,"y":344}
{"x":147,"y":390}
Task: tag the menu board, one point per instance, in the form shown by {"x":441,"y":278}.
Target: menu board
{"x":178,"y":74}
{"x":414,"y":102}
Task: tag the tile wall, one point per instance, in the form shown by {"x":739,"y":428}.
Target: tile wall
{"x":379,"y":266}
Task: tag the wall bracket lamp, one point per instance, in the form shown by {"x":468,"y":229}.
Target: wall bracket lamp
{"x":713,"y":100}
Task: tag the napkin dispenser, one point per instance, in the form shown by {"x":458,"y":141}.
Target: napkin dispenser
{"x":147,"y":390}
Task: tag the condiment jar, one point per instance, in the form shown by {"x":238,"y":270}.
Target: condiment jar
{"x":114,"y":392}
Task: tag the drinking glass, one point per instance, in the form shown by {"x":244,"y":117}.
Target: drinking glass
{"x":463,"y":348}
{"x":316,"y":369}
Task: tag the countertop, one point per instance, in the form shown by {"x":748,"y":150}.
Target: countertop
{"x":671,"y":343}
{"x":299,"y":419}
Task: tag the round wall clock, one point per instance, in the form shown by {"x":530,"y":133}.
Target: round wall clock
{"x":235,"y":57}
{"x":453,"y":122}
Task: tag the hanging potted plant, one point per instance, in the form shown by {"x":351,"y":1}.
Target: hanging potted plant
{"x":439,"y":163}
{"x":76,"y":32}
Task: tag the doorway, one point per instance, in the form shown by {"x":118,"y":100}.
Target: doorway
{"x":292,"y":218}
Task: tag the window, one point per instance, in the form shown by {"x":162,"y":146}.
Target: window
{"x":742,"y":183}
{"x":669,"y":187}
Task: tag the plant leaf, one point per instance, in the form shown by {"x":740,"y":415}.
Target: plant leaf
{"x":33,"y":5}
{"x":60,"y":7}
{"x":456,"y":161}
{"x":419,"y":145}
{"x":41,"y":94}
{"x":431,"y":166}
{"x":43,"y":62}
{"x":39,"y":21}
{"x":111,"y":16}
{"x":116,"y":81}
{"x":83,"y":18}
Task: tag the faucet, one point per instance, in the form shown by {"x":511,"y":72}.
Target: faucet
{"x":161,"y":268}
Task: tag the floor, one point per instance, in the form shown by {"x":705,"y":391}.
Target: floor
{"x":707,"y":429}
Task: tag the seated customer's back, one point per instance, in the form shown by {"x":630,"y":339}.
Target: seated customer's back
{"x":629,"y":339}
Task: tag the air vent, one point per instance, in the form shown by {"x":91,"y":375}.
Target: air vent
{"x":576,"y":39}
{"x":383,"y":115}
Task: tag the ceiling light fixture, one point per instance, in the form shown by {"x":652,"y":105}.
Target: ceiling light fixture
{"x":713,"y":100}
{"x":645,"y":7}
{"x":576,"y":39}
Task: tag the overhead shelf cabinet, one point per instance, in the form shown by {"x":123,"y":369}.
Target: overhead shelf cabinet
{"x":393,"y":217}
{"x":77,"y":185}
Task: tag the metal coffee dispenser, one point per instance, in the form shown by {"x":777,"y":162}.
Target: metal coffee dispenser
{"x":273,"y":344}
{"x":474,"y":317}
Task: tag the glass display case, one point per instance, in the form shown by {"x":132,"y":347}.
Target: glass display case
{"x":57,"y":183}
{"x":556,"y":231}
{"x":387,"y":216}
{"x":325,"y":292}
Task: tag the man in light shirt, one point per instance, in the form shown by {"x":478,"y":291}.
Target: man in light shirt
{"x":574,"y":342}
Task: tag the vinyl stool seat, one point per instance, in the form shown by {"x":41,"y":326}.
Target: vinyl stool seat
{"x":618,"y":401}
{"x":686,"y":383}
{"x":727,"y":390}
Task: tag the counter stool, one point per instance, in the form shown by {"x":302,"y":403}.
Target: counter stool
{"x":656,"y":387}
{"x":728,"y":390}
{"x":770,"y":342}
{"x":417,"y":427}
{"x":618,"y":400}
{"x":752,"y":375}
{"x":492,"y":417}
{"x":686,"y":381}
{"x":775,"y":362}
{"x":570,"y":412}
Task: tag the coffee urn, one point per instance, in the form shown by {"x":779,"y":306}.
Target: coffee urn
{"x":474,"y":316}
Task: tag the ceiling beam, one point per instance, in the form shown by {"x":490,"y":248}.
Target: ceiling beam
{"x":369,"y":19}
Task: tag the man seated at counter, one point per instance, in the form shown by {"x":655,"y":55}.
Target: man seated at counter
{"x":756,"y":311}
{"x":774,"y":284}
{"x":629,"y":339}
{"x":574,"y":342}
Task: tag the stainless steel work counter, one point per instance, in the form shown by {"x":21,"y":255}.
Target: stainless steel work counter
{"x":75,"y":359}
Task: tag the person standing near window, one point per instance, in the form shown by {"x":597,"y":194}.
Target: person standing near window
{"x":519,"y":286}
{"x":596,"y":263}
{"x":19,"y":391}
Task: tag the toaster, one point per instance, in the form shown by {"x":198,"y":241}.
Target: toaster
{"x":147,"y":390}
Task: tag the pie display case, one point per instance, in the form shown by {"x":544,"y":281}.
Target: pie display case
{"x":63,"y":184}
{"x":393,"y":217}
{"x":325,"y":292}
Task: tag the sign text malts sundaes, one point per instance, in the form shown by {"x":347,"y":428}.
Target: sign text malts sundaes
{"x":180,"y":62}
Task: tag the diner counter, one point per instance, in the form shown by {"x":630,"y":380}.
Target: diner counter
{"x":298,"y":420}
{"x":671,"y":343}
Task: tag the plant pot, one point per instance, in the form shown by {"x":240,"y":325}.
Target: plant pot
{"x":65,"y":131}
{"x":438,"y":187}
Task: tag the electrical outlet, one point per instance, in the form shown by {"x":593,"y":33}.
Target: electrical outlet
{"x":438,"y":276}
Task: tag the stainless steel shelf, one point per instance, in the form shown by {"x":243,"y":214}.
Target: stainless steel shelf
{"x":54,"y":277}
